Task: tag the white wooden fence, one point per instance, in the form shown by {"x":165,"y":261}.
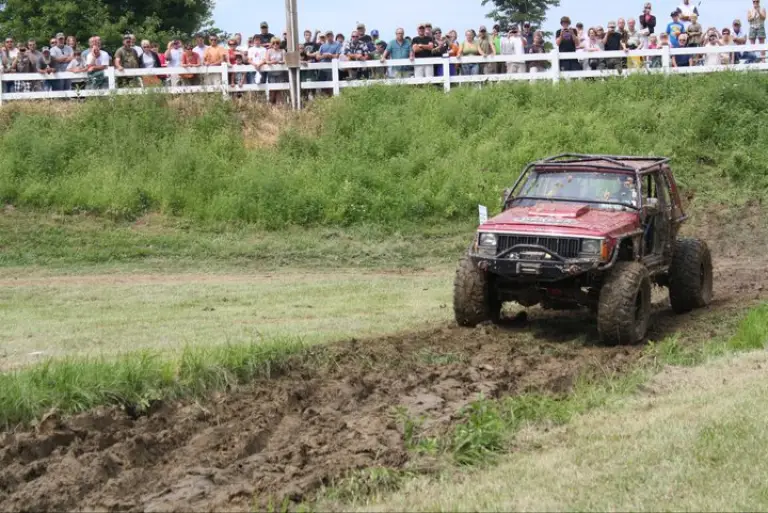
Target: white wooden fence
{"x":447,"y":78}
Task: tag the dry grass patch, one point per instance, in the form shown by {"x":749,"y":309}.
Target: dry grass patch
{"x":691,"y":442}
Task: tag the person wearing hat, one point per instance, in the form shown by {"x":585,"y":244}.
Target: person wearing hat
{"x":675,"y":28}
{"x":527,"y":34}
{"x":739,"y":37}
{"x":126,"y":58}
{"x":61,"y":55}
{"x":328,"y":51}
{"x":363,"y":37}
{"x":566,"y":40}
{"x":487,"y":48}
{"x":265,"y":37}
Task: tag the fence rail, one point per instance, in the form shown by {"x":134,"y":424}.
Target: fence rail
{"x":218,"y":77}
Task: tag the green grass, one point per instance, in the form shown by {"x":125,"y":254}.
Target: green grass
{"x":111,"y":313}
{"x":137,"y":379}
{"x":37,"y":242}
{"x":384,"y":156}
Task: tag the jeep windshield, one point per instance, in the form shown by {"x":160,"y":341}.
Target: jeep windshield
{"x":610,"y":191}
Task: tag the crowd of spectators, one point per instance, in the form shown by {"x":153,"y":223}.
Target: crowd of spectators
{"x":264,"y":48}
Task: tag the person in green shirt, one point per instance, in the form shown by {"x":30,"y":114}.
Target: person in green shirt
{"x":496,"y":38}
{"x":485,"y":44}
{"x":126,"y":58}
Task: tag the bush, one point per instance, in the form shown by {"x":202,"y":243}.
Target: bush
{"x":384,"y":155}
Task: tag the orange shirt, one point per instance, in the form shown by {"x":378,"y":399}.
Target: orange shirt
{"x":214,"y":55}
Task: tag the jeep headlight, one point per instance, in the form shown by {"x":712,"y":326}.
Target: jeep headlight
{"x":486,"y":244}
{"x":591,"y":247}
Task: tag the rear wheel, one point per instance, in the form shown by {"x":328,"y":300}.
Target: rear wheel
{"x":624,"y":308}
{"x":474,"y":296}
{"x":690,"y":276}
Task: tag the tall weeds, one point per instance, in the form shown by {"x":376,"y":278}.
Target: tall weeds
{"x":383,"y":155}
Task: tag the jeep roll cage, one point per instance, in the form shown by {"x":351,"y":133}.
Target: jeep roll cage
{"x":638,"y":166}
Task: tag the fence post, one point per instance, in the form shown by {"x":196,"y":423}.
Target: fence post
{"x":446,"y":74}
{"x":224,"y":80}
{"x":335,"y":76}
{"x":555,"y":61}
{"x":666,"y":59}
{"x":111,"y":80}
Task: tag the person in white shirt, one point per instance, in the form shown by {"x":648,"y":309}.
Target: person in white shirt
{"x":686,"y":11}
{"x":257,"y":54}
{"x":514,"y":44}
{"x":200,"y":46}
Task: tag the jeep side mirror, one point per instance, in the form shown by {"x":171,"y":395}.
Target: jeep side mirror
{"x":505,"y":197}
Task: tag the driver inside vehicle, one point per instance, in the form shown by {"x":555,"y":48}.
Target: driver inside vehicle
{"x":621,"y":191}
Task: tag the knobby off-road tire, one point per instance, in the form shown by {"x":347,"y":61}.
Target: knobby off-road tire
{"x":690,"y":276}
{"x":624,"y":308}
{"x":474,"y":296}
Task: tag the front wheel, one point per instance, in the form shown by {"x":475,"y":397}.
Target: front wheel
{"x":474,"y":296}
{"x":624,"y":308}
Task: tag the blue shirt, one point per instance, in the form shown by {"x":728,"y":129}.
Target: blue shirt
{"x":673,"y":34}
{"x":332,"y":48}
{"x":399,"y":50}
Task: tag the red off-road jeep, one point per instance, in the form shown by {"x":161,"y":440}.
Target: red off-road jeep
{"x":586,"y":230}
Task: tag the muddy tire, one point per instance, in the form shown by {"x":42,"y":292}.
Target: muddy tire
{"x":474,"y":297}
{"x":624,"y":309}
{"x":690,"y":276}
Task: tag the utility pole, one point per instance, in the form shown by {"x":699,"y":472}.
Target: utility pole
{"x":292,"y":58}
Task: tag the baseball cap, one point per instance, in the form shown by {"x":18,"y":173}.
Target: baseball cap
{"x":60,"y":35}
{"x":513,"y":28}
{"x":421,"y":26}
{"x":483,"y":29}
{"x":264,"y":24}
{"x":437,"y":29}
{"x":374,"y":33}
{"x":46,"y":49}
{"x":329,"y":32}
{"x":361,"y":25}
{"x":737,"y":22}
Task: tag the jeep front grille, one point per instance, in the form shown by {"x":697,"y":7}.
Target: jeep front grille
{"x":566,"y":248}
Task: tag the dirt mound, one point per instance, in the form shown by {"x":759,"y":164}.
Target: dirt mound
{"x":329,"y":412}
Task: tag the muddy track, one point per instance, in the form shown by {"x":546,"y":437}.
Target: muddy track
{"x":324,"y":415}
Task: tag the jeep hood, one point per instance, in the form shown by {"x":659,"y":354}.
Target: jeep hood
{"x":561,"y":218}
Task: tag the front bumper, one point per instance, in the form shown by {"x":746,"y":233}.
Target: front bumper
{"x":536,"y":270}
{"x":548,"y":266}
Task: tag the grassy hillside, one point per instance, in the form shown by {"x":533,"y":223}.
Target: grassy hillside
{"x":381,"y":155}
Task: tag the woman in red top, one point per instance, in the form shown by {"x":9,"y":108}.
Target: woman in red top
{"x":189,"y":59}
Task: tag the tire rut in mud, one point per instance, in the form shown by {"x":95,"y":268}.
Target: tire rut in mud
{"x":286,"y":436}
